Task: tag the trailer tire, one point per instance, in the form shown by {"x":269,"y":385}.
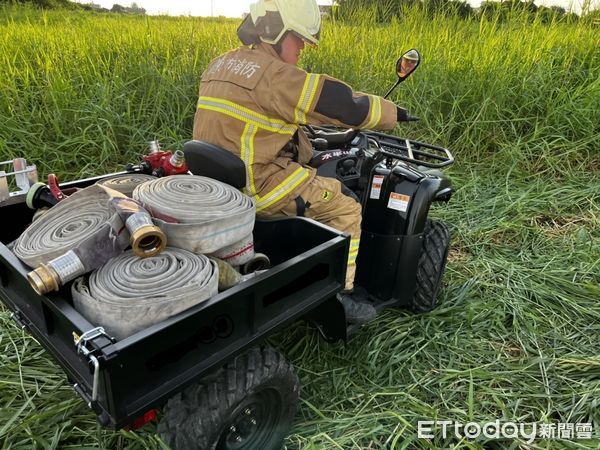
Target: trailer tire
{"x":248,"y":404}
{"x":432,"y":262}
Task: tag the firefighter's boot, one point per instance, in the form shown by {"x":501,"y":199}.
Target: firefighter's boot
{"x":357,"y":312}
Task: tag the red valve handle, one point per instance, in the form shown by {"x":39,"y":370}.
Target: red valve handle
{"x":55,"y":188}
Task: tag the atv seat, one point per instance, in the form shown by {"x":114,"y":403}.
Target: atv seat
{"x":211,"y":161}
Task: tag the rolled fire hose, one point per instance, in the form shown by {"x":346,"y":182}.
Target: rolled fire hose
{"x":64,"y":225}
{"x":202,"y":215}
{"x":74,"y":237}
{"x":126,"y":183}
{"x":128,"y":294}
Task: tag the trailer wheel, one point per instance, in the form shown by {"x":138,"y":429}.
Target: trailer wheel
{"x":432,"y":262}
{"x":248,"y":404}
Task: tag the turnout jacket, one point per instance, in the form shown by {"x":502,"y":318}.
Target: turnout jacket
{"x":251,"y":103}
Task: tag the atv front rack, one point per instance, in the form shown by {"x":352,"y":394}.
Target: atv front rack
{"x":415,"y":152}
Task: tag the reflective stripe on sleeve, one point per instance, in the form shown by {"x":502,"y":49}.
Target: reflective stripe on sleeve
{"x":306,"y":97}
{"x":375,"y":112}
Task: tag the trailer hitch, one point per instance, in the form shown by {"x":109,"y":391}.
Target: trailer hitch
{"x":81,"y":343}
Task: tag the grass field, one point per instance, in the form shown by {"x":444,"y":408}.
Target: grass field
{"x":517,"y":337}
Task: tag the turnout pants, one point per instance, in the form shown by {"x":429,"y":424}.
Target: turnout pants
{"x":323,"y":200}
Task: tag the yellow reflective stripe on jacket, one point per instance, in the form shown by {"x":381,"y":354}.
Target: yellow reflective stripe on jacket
{"x":247,"y":155}
{"x":353,"y":253}
{"x":254,"y":121}
{"x":245,"y":115}
{"x":284,"y":188}
{"x":311,"y":83}
{"x":375,"y":112}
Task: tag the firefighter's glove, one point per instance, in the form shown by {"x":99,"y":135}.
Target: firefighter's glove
{"x":403,"y":116}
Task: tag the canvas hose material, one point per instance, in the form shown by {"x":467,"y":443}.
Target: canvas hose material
{"x":126,"y":183}
{"x":202,"y":215}
{"x":85,"y":230}
{"x":67,"y":224}
{"x":129,"y":294}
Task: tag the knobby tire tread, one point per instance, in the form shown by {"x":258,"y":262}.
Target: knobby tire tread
{"x":432,"y":262}
{"x":193,"y":419}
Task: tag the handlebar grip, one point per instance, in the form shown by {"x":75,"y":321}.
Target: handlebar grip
{"x":412,"y":119}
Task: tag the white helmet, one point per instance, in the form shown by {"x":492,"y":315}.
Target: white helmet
{"x":273,"y":18}
{"x":412,"y":54}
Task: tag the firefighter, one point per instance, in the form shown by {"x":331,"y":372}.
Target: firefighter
{"x":253,"y":100}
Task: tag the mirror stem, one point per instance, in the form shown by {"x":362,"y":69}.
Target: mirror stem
{"x":392,"y":89}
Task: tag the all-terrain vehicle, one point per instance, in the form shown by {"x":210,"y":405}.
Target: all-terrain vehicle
{"x":203,"y":367}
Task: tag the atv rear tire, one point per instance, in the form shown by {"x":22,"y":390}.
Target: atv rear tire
{"x":432,"y":262}
{"x":248,"y":404}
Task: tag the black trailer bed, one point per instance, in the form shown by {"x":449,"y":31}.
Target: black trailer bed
{"x":144,"y":370}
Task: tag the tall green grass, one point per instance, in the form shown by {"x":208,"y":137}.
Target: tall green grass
{"x":517,"y":337}
{"x":99,"y":85}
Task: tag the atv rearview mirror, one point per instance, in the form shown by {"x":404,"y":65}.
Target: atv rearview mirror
{"x":406,"y":65}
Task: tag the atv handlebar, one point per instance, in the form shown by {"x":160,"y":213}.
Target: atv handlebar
{"x":335,"y":139}
{"x":419,"y":153}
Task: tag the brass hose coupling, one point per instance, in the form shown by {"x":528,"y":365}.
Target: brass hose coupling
{"x":44,"y":279}
{"x":146,"y":238}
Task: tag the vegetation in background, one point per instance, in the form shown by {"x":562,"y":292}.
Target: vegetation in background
{"x":504,"y":10}
{"x":134,"y":8}
{"x":518,"y":103}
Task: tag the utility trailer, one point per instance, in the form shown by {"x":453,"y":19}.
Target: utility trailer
{"x":122,"y":381}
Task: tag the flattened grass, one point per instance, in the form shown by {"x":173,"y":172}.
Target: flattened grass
{"x":517,"y":335}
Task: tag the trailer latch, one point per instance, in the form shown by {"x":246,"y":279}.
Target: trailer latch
{"x":20,"y":321}
{"x":81,"y":344}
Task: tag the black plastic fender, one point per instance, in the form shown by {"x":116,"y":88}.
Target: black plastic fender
{"x":395,"y":209}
